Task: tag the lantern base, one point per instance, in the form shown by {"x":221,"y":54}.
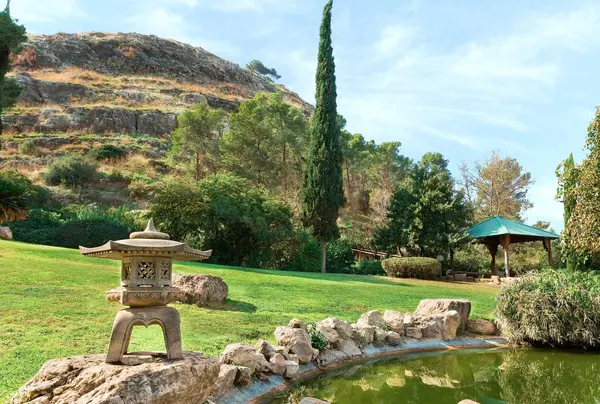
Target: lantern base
{"x":166,"y":317}
{"x":144,"y":296}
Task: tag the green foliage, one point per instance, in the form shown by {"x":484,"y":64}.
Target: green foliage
{"x":107,"y":152}
{"x":306,"y":253}
{"x":12,"y":35}
{"x":363,"y":267}
{"x":412,"y":267}
{"x":339,"y":256}
{"x":13,"y":205}
{"x":317,"y":339}
{"x":39,"y":228}
{"x":35,"y":196}
{"x":28,"y":147}
{"x":497,"y":187}
{"x":195,"y":144}
{"x":322,"y":192}
{"x":552,"y":307}
{"x":88,"y":233}
{"x":473,"y":258}
{"x":242,"y":224}
{"x":258,"y":67}
{"x":265,"y":143}
{"x":425,"y":214}
{"x":72,"y":171}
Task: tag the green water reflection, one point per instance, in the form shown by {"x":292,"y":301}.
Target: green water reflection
{"x":488,"y":377}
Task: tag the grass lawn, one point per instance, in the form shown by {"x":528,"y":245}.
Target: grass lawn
{"x":52,"y":305}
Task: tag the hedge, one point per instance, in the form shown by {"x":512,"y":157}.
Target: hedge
{"x":412,"y":267}
{"x":553,"y":307}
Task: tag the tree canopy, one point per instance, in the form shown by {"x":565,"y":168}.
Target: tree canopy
{"x":258,"y":67}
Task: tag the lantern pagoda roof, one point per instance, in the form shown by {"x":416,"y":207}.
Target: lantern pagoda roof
{"x":146,"y":243}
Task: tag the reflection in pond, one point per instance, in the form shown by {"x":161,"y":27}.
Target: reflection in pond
{"x":488,"y":377}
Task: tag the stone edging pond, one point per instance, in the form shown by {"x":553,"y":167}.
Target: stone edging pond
{"x":258,"y":390}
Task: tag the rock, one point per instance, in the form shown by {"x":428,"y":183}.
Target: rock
{"x":329,"y":356}
{"x":156,"y":123}
{"x":193,"y":98}
{"x":393,"y":338}
{"x":372,"y":318}
{"x":244,"y":375}
{"x":201,"y":290}
{"x":495,"y":279}
{"x":262,"y":365}
{"x":240,"y":355}
{"x":277,"y":364}
{"x":414,"y":332}
{"x":297,"y":341}
{"x":349,"y":348}
{"x":437,"y":306}
{"x":362,"y":334}
{"x":395,"y":320}
{"x":88,"y":379}
{"x":335,"y":330}
{"x":315,"y":353}
{"x":227,"y":376}
{"x":450,"y":277}
{"x":291,"y":369}
{"x":293,"y":358}
{"x":5,"y":233}
{"x":282,"y":350}
{"x":481,"y":327}
{"x":295,"y":323}
{"x":266,"y":349}
{"x":460,"y":277}
{"x":452,"y":320}
{"x":311,"y":400}
{"x":438,"y":326}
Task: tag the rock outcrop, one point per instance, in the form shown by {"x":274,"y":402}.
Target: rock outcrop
{"x":201,"y":290}
{"x":438,"y":306}
{"x":5,"y":233}
{"x":481,"y":327}
{"x":297,"y":341}
{"x":87,"y":379}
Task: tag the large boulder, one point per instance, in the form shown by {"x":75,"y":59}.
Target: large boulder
{"x":201,"y":290}
{"x":226,"y":380}
{"x":335,"y":330}
{"x":439,"y":306}
{"x":481,"y":327}
{"x":297,"y":341}
{"x":5,"y":233}
{"x":88,"y":379}
{"x":437,"y":326}
{"x":240,"y":355}
{"x":395,"y":320}
{"x":362,"y":334}
{"x":372,"y":318}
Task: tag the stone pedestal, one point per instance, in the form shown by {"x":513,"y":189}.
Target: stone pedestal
{"x":166,"y":317}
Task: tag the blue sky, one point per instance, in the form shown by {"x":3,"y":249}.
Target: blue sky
{"x":460,"y":77}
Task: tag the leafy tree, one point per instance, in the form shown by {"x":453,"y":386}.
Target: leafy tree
{"x":426,"y":213}
{"x":12,"y":35}
{"x":583,"y":225}
{"x":196,"y":140}
{"x":497,"y":187}
{"x":13,"y":204}
{"x":265,"y":143}
{"x":323,"y":193}
{"x":258,"y":67}
{"x":242,"y":224}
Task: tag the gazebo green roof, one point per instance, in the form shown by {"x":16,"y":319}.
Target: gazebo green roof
{"x":498,"y":226}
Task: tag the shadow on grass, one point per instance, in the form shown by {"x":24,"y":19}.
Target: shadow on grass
{"x":195,"y":267}
{"x":234,"y":305}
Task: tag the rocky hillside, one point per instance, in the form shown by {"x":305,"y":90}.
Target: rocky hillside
{"x":102,"y":83}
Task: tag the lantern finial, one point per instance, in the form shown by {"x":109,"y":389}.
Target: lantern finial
{"x":150,"y":233}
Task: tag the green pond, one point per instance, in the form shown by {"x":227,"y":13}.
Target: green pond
{"x":524,"y":376}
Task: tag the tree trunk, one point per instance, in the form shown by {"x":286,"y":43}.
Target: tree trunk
{"x":197,"y":166}
{"x":452,"y":260}
{"x":323,"y":256}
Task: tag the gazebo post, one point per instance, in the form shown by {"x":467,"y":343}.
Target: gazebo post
{"x":493,"y":249}
{"x":548,"y":247}
{"x":505,"y":240}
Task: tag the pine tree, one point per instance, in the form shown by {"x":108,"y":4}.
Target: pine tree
{"x":569,"y":182}
{"x":323,"y":193}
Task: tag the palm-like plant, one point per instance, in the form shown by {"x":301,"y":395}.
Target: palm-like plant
{"x":13,"y":205}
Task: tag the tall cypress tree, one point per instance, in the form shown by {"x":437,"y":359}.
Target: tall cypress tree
{"x":322,"y":192}
{"x":568,"y":183}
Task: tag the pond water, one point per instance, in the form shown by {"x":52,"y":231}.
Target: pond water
{"x":524,"y":376}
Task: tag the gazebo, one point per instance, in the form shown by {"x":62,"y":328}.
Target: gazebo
{"x":502,"y":231}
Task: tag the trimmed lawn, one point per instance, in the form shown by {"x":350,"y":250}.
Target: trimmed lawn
{"x":52,"y":305}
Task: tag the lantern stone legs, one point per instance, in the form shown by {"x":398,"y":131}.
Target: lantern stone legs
{"x":166,"y":317}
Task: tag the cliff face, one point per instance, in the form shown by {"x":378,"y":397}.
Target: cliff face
{"x":125,"y":83}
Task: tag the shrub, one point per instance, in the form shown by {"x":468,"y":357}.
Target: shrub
{"x":339,"y":256}
{"x":412,"y":267}
{"x":35,"y":195}
{"x":308,"y":258}
{"x":39,"y":227}
{"x":28,"y":147}
{"x":317,"y":339}
{"x":72,"y":171}
{"x":89,"y":233}
{"x":364,"y":267}
{"x":107,"y":152}
{"x":552,"y":307}
{"x":139,"y":189}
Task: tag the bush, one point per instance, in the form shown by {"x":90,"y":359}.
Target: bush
{"x":412,"y":267}
{"x":35,"y":195}
{"x":73,"y":171}
{"x":552,"y":307}
{"x":308,"y":258}
{"x":317,"y":339}
{"x":89,"y":233}
{"x":107,"y":152}
{"x":39,"y":227}
{"x":339,"y":256}
{"x":28,"y":148}
{"x":364,"y":267}
{"x":473,"y":258}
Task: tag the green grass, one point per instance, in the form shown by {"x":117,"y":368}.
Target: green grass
{"x":53,"y":306}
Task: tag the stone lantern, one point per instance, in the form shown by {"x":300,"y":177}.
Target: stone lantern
{"x":146,"y":274}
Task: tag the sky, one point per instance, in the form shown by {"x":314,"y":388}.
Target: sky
{"x":462,"y":77}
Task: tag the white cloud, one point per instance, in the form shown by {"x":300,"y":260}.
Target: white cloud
{"x":237,"y":5}
{"x":545,"y":206}
{"x":46,"y":11}
{"x":393,"y":39}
